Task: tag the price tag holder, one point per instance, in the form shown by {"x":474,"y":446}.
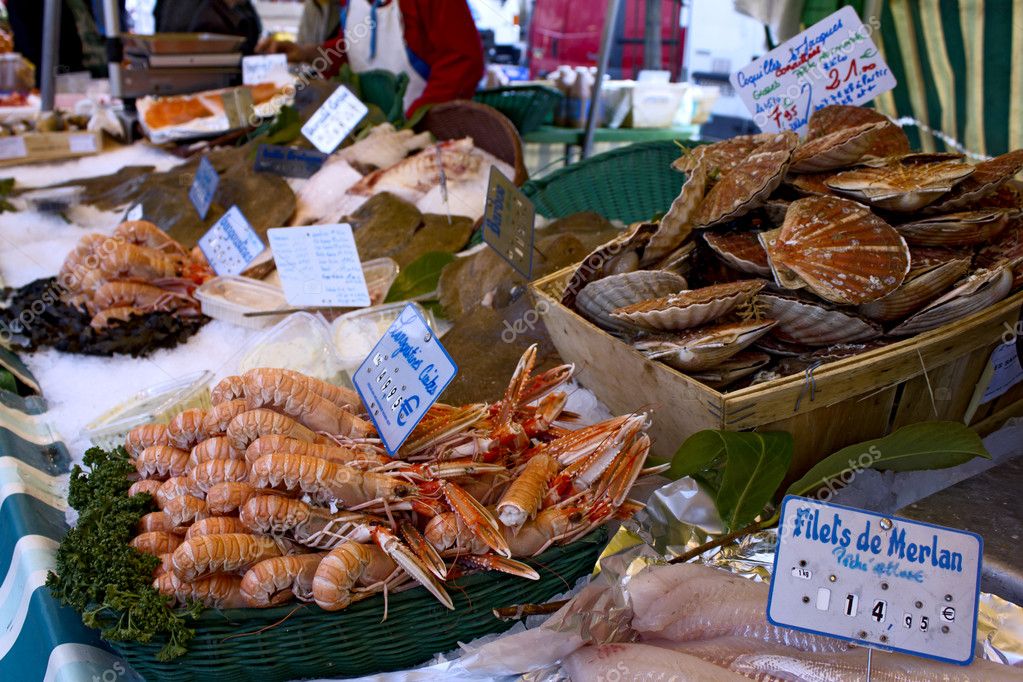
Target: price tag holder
{"x":403,"y":376}
{"x":13,"y":147}
{"x":319,"y":266}
{"x":832,"y":62}
{"x":508,"y":223}
{"x":204,"y":186}
{"x":270,"y":68}
{"x":881,"y":581}
{"x":84,"y":143}
{"x":334,"y":120}
{"x":290,"y":162}
{"x":1006,"y":369}
{"x":231,"y":244}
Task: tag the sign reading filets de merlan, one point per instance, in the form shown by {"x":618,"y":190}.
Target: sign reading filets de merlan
{"x":403,"y":376}
{"x":832,"y":62}
{"x":882,"y":581}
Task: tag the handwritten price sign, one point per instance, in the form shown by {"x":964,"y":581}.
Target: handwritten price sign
{"x":832,"y":62}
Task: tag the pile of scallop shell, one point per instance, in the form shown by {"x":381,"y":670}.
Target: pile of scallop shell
{"x":780,"y":254}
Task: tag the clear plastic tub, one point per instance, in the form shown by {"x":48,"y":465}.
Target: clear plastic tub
{"x":354,"y":334}
{"x":159,"y":403}
{"x":228,"y":298}
{"x":380,"y":274}
{"x":300,"y":342}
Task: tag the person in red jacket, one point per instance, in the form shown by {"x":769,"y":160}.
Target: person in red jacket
{"x":435,"y":42}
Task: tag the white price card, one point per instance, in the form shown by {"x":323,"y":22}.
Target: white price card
{"x":1006,"y":369}
{"x":13,"y":147}
{"x":403,"y":376}
{"x":508,"y":223}
{"x":333,"y":121}
{"x":832,"y":62}
{"x":204,"y":186}
{"x":134,"y":213}
{"x":82,"y":144}
{"x":231,"y":244}
{"x":268,"y":68}
{"x":881,"y":581}
{"x":319,"y":266}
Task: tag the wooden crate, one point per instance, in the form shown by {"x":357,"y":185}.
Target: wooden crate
{"x":16,"y":150}
{"x":932,"y":376}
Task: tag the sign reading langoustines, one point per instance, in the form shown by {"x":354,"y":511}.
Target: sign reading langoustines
{"x":832,"y":62}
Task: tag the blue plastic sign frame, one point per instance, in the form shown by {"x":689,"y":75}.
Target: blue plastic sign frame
{"x":509,"y":223}
{"x":319,"y":266}
{"x":825,"y":548}
{"x":832,"y":62}
{"x":204,"y":186}
{"x":291,"y":162}
{"x":231,"y":244}
{"x":403,"y":376}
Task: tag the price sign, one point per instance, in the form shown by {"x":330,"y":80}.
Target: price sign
{"x":270,"y":68}
{"x":832,"y":62}
{"x":238,"y":107}
{"x":204,"y":186}
{"x":334,"y":120}
{"x":1006,"y":369}
{"x":882,"y":581}
{"x":82,"y":144}
{"x":231,"y":244}
{"x":291,"y":162}
{"x":508,"y":223}
{"x":319,"y":266}
{"x":13,"y":147}
{"x":134,"y":213}
{"x":403,"y":376}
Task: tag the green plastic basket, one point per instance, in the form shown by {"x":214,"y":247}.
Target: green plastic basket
{"x":527,"y":106}
{"x":629,"y":184}
{"x":300,"y":640}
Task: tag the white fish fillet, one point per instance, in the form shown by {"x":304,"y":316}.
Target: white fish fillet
{"x":694,"y":602}
{"x":642,"y":663}
{"x":322,"y":194}
{"x":777,"y":663}
{"x":383,"y":146}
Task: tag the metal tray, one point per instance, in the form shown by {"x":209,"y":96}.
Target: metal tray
{"x":181,"y":43}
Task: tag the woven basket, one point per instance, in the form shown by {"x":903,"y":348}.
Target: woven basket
{"x":526,"y":106}
{"x":629,"y":184}
{"x":300,"y":640}
{"x":488,"y":128}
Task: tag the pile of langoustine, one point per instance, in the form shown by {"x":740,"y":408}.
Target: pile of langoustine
{"x":137,"y":270}
{"x":280,"y":491}
{"x":780,"y":254}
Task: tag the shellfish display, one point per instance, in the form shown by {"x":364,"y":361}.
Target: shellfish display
{"x":780,"y":254}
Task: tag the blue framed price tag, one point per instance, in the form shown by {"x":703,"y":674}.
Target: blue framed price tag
{"x":403,"y":376}
{"x":881,"y":581}
{"x":204,"y":186}
{"x":319,"y":266}
{"x":508,"y":223}
{"x":231,"y":244}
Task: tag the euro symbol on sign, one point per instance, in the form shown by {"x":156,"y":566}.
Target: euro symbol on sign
{"x":407,"y":408}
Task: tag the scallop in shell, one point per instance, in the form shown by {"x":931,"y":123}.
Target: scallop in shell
{"x":720,"y":157}
{"x":890,"y":140}
{"x":901,"y":186}
{"x":740,"y":365}
{"x":811,"y":184}
{"x":704,"y":347}
{"x":783,"y":276}
{"x":740,"y":250}
{"x":924,"y":258}
{"x":837,"y":149}
{"x":597,"y":299}
{"x":916,"y":292}
{"x":677,"y":223}
{"x":965,"y":228}
{"x":746,"y":186}
{"x":812,"y":324}
{"x":688,"y":309}
{"x":621,"y":254}
{"x":986,"y":178}
{"x":843,"y":252}
{"x":1008,"y":249}
{"x":980,"y":290}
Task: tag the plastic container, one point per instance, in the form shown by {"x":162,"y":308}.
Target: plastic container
{"x":159,"y":403}
{"x":228,"y":298}
{"x":380,"y":274}
{"x":301,"y":342}
{"x":354,"y":334}
{"x":654,"y":105}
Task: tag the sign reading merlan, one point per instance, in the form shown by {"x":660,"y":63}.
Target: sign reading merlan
{"x":508,"y":223}
{"x":832,"y":62}
{"x":231,"y":244}
{"x":881,"y":581}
